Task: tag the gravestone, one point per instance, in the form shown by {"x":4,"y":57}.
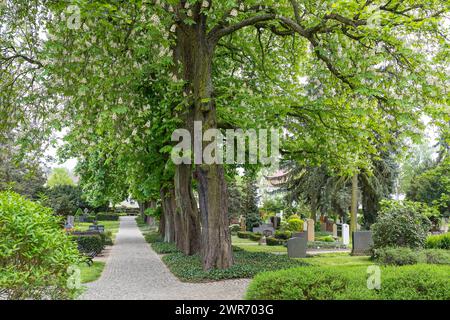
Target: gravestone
{"x":362,"y":241}
{"x":323,"y":226}
{"x":335,"y":230}
{"x":346,"y":234}
{"x":310,"y":230}
{"x":243,"y":223}
{"x":297,"y":247}
{"x":266,"y":229}
{"x":305,"y":226}
{"x":444,"y":225}
{"x":71,"y":221}
{"x":303,"y":234}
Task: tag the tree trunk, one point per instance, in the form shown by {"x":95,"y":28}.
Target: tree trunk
{"x":188,"y":239}
{"x":354,"y":208}
{"x":196,"y":54}
{"x":168,"y":206}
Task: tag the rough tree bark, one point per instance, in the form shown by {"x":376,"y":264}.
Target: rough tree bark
{"x":168,"y":206}
{"x":195,"y":53}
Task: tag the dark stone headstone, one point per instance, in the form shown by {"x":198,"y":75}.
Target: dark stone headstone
{"x":362,"y":241}
{"x":297,"y":247}
{"x":300,"y":235}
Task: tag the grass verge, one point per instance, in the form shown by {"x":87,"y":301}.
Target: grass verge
{"x":91,"y":273}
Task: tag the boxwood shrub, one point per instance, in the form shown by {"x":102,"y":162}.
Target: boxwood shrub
{"x":88,"y":244}
{"x":283,"y":235}
{"x":440,"y":241}
{"x":108,"y":217}
{"x":234,"y":228}
{"x":404,"y":256}
{"x":244,"y":234}
{"x":255,"y":236}
{"x":271,"y":241}
{"x":419,"y":282}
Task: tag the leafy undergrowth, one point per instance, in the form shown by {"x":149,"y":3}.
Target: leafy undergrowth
{"x":246,"y":265}
{"x":418,"y":282}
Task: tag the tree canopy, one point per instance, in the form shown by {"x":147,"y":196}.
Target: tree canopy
{"x":343,"y":79}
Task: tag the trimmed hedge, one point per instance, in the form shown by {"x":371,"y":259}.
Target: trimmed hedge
{"x":283,"y":235}
{"x":244,"y":234}
{"x":325,"y":239}
{"x":90,"y":243}
{"x":234,"y":228}
{"x":271,"y":241}
{"x":419,"y":282}
{"x":404,"y":256}
{"x":255,"y":236}
{"x":107,"y":217}
{"x":440,"y":241}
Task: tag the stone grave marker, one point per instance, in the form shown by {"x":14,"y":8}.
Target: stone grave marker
{"x":335,"y":231}
{"x":297,"y":247}
{"x":310,"y":230}
{"x":362,"y":241}
{"x":346,"y":234}
{"x":303,"y":234}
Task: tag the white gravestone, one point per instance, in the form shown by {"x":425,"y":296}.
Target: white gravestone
{"x":346,"y":234}
{"x":71,"y":220}
{"x":305,"y":226}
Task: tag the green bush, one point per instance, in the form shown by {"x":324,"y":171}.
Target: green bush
{"x":437,"y":256}
{"x":246,"y":265}
{"x":395,"y":256}
{"x":271,"y":241}
{"x":235,"y":228}
{"x":419,"y":282}
{"x":325,"y":245}
{"x":441,"y":241}
{"x":88,"y":244}
{"x":255,"y":236}
{"x":107,"y":238}
{"x":283,"y":235}
{"x":325,"y":238}
{"x":244,"y":234}
{"x":401,"y":224}
{"x":107,"y":217}
{"x":90,"y":218}
{"x":405,"y":256}
{"x":295,"y":224}
{"x":35,"y":253}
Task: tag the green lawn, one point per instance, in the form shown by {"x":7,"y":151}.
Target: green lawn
{"x":91,"y":273}
{"x":338,"y":259}
{"x":112,"y":226}
{"x":253,"y":246}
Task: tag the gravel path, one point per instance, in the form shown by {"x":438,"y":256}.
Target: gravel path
{"x":135,"y":272}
